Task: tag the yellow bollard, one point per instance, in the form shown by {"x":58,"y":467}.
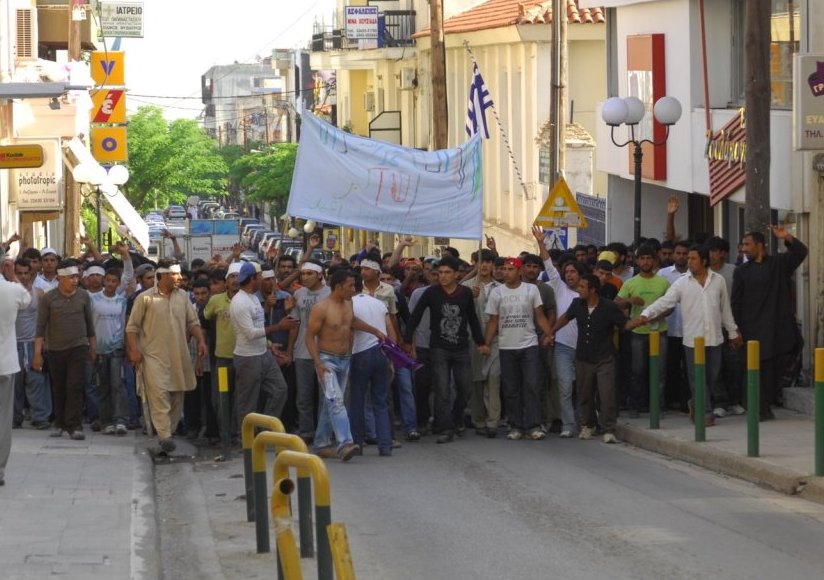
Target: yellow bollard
{"x":341,"y":555}
{"x":323,"y":508}
{"x":284,"y":441}
{"x":247,"y":431}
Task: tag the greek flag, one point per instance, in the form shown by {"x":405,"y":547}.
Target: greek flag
{"x":479,"y":102}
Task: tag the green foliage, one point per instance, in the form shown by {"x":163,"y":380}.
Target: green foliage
{"x":267,"y":175}
{"x":170,"y":161}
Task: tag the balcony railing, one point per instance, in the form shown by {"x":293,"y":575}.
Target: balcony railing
{"x":395,"y":28}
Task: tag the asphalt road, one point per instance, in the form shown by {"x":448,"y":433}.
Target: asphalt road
{"x":498,"y":509}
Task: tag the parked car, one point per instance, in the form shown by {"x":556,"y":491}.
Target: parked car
{"x":246,"y":235}
{"x":263,"y":246}
{"x":256,"y":238}
{"x":176,"y":212}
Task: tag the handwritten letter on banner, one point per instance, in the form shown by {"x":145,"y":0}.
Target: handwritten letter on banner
{"x":362,"y":183}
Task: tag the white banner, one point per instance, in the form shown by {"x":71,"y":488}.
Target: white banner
{"x":363,"y":183}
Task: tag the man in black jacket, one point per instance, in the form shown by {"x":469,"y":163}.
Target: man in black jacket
{"x":763,"y":305}
{"x":451,"y":310}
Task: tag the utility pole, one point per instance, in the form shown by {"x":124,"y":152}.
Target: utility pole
{"x":440,"y":112}
{"x":557,"y":105}
{"x":71,"y":241}
{"x":757,"y":102}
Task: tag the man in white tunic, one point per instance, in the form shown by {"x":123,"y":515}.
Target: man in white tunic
{"x":157,"y":342}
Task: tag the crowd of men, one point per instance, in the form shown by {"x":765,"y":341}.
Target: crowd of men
{"x":388,"y":347}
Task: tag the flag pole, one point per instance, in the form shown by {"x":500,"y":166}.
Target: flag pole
{"x":502,"y":131}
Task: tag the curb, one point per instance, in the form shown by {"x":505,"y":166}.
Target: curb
{"x":747,"y":468}
{"x":145,"y":558}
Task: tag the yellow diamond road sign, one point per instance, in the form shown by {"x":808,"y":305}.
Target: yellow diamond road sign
{"x":560,"y":209}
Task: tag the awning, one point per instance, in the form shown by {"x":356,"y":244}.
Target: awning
{"x":135,"y":228}
{"x":32,"y":90}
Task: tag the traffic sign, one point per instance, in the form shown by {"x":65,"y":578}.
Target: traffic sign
{"x":109,"y":144}
{"x":108,"y":68}
{"x":109,"y":106}
{"x":560,"y":209}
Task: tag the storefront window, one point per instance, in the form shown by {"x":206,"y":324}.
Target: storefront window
{"x":785,"y":32}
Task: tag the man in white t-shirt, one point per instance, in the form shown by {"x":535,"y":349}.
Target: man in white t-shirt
{"x":369,"y":371}
{"x":256,"y":369}
{"x":514,"y":309}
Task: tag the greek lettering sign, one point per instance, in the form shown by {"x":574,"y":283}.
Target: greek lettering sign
{"x":726,"y":152}
{"x":808,"y":105}
{"x":361,"y":22}
{"x":109,"y":106}
{"x":109,"y":144}
{"x":108,"y":68}
{"x":123,"y":19}
{"x":39,"y":188}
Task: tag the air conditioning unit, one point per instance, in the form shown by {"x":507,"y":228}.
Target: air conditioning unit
{"x":369,"y":101}
{"x":409,"y":78}
{"x":25,"y":34}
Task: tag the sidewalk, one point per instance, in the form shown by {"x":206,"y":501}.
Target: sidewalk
{"x":787,"y":448}
{"x":78,"y":509}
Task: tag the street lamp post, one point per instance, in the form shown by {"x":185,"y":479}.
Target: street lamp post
{"x":104,"y":182}
{"x":630,"y":111}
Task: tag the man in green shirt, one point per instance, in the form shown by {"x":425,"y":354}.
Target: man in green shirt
{"x":217,"y":310}
{"x":639,"y":291}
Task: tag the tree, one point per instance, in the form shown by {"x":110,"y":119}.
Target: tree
{"x":266,"y":175}
{"x":170,"y":161}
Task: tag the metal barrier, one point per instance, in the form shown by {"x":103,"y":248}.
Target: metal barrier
{"x":753,"y":396}
{"x":247,"y":432}
{"x":654,"y":379}
{"x":281,"y":441}
{"x":281,"y":513}
{"x":224,"y":412}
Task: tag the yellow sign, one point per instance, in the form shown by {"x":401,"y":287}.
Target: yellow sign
{"x":108,"y":68}
{"x":109,"y":106}
{"x":560,"y":209}
{"x":331,"y":239}
{"x":109,"y":144}
{"x":20,"y":156}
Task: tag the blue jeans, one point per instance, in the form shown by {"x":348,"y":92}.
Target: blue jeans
{"x":712,"y":362}
{"x":333,"y":419}
{"x":306,"y":387}
{"x":130,"y":385}
{"x":90,"y":391}
{"x":111,"y":394}
{"x":370,"y":374}
{"x":639,"y":388}
{"x":30,"y":384}
{"x":406,"y":399}
{"x":457,"y":365}
{"x":565,"y":367}
{"x":521,"y":376}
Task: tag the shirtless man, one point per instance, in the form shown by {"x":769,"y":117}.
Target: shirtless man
{"x":329,"y":340}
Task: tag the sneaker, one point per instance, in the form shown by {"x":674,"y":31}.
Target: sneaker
{"x":77,"y":435}
{"x":40,"y":425}
{"x":586,"y":433}
{"x":609,"y":438}
{"x":536,"y":434}
{"x":544,"y":428}
{"x":326,"y":453}
{"x":514,"y":435}
{"x":96,"y":425}
{"x":396,"y":444}
{"x":413,"y":436}
{"x":108,"y":430}
{"x":348,"y":452}
{"x":737,"y":410}
{"x":120,"y":429}
{"x":447,"y":437}
{"x":719,"y":413}
{"x":168,"y":445}
{"x":566,"y":434}
{"x":56,"y":432}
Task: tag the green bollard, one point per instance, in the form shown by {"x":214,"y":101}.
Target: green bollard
{"x":307,"y":542}
{"x":224,"y":406}
{"x":753,"y":396}
{"x":654,"y":382}
{"x":700,"y":394}
{"x":819,"y":412}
